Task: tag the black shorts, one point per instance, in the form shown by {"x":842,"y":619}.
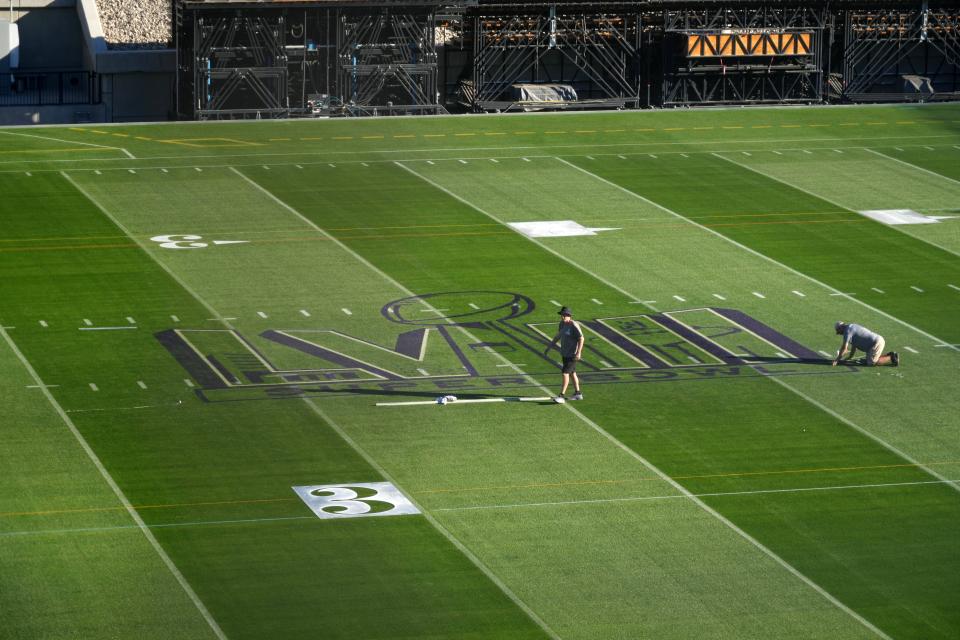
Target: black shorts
{"x":569,"y":365}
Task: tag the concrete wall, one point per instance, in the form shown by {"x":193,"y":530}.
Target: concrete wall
{"x":50,"y":38}
{"x":138,"y":97}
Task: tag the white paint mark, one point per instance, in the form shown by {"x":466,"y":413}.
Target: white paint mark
{"x":589,"y":157}
{"x":653,"y":156}
{"x":746,"y":153}
{"x":365,"y":164}
{"x":929,"y":148}
{"x":825,"y":354}
{"x":526,"y":159}
{"x":298,"y":166}
{"x":175,"y":318}
{"x":29,"y":175}
{"x":198,"y":169}
{"x":39,"y":386}
{"x":877,"y":290}
{"x":511,"y":364}
{"x":347,"y":311}
{"x":799,"y":293}
{"x":759,"y":295}
{"x":305,"y":313}
{"x":780,"y":354}
{"x":680,"y":298}
{"x":917,"y":289}
{"x":131,"y":171}
{"x":97,"y":171}
{"x":333,"y":166}
{"x":778,"y":153}
{"x":954,"y":287}
{"x":556,"y":304}
{"x":141,"y":384}
{"x":131,"y":320}
{"x":262,"y":315}
{"x":473,"y":306}
{"x":43,"y":323}
{"x":622,"y":157}
{"x":684,"y":155}
{"x":693,"y":360}
{"x":265,"y":167}
{"x":606,"y":364}
{"x":898,"y":148}
{"x":595,"y":301}
{"x":718,"y":296}
{"x":808,"y":152}
{"x":462,"y":161}
{"x":164,"y":170}
{"x":429,"y":161}
{"x":841,"y":293}
{"x":494,"y":161}
{"x":188,"y":382}
{"x":94,"y":387}
{"x":87,"y":322}
{"x":838,"y":151}
{"x":423,"y":372}
{"x":911,"y":350}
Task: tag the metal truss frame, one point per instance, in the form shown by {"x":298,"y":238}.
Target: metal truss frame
{"x":602,"y":51}
{"x":880,"y":47}
{"x":742,"y":79}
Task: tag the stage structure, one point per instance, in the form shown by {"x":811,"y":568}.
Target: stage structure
{"x":281,"y":59}
{"x":590,"y":51}
{"x":902,"y":54}
{"x":284,"y":58}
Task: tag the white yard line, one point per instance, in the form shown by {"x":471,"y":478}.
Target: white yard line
{"x":819,"y":196}
{"x":117,"y":491}
{"x":753,"y":252}
{"x":83,"y":144}
{"x":939,"y":176}
{"x":676,"y":485}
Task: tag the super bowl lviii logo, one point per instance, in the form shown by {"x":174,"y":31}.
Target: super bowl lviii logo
{"x":475,"y":340}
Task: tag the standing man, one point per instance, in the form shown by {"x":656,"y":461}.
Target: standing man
{"x":571,"y":346}
{"x":858,"y":337}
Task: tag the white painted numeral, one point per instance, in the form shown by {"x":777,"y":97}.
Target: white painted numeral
{"x":356,"y":500}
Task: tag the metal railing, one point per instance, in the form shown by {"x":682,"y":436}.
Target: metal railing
{"x":49,"y":88}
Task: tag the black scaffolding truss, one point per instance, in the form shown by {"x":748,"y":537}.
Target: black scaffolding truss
{"x":902,"y":54}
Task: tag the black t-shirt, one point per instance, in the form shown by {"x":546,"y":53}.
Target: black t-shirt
{"x":570,"y":335}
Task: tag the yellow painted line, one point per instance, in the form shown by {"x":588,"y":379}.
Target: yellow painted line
{"x":523,"y":133}
{"x":311,"y":139}
{"x":614,"y":130}
{"x":761,"y":126}
{"x":732,"y":127}
{"x":876,"y":123}
{"x":405,"y":135}
{"x":553,"y":132}
{"x":78,"y":129}
{"x":790,"y":126}
{"x":278,"y":139}
{"x":676,"y":128}
{"x":585,"y":131}
{"x":644,"y":130}
{"x":434,"y":135}
{"x":495,"y":133}
{"x":906,"y":122}
{"x":105,"y":133}
{"x":702,"y":128}
{"x":818,"y":125}
{"x":343,"y":137}
{"x":464,"y":135}
{"x":121,"y":135}
{"x":60,"y":150}
{"x":849,"y":124}
{"x":211,"y":142}
{"x":142,"y":138}
{"x":372,"y":137}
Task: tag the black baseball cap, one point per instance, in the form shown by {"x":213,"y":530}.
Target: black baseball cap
{"x":565,"y":311}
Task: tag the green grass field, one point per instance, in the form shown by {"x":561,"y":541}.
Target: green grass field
{"x":197,"y":318}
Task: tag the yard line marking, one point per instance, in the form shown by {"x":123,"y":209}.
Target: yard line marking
{"x":198,"y":169}
{"x":423,"y":372}
{"x":494,"y":161}
{"x":622,"y":157}
{"x":841,"y":293}
{"x":555,"y":303}
{"x":305,"y":313}
{"x":605,"y":364}
{"x":822,"y":197}
{"x":472,"y":306}
{"x":141,"y":384}
{"x":116,"y":490}
{"x":131,"y":320}
{"x":595,"y":301}
{"x":509,"y":364}
{"x":939,"y":176}
{"x":704,"y":495}
{"x":29,"y":175}
{"x":84,"y":144}
{"x":164,"y":170}
{"x":759,"y":295}
{"x":853,"y":425}
{"x":911,"y":350}
{"x":43,"y":323}
{"x":781,"y":355}
{"x":39,"y":386}
{"x":526,"y":159}
{"x":877,"y":290}
{"x":807,"y":152}
{"x":96,"y":171}
{"x":778,"y":153}
{"x":262,"y":315}
{"x":151,"y":526}
{"x":953,"y":286}
{"x":347,"y":311}
{"x":681,"y":299}
{"x":87,"y":322}
{"x":751,"y":251}
{"x":94,"y":387}
{"x":175,"y":318}
{"x":131,"y":171}
{"x":429,"y":161}
{"x":298,"y":166}
{"x":947,"y":345}
{"x":188,"y":382}
{"x":718,"y":296}
{"x":693,"y":360}
{"x":462,"y":161}
{"x":917,"y":289}
{"x":590,"y":157}
{"x":802,"y":295}
{"x":825,"y":354}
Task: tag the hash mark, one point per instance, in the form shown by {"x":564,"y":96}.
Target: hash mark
{"x":175,"y":318}
{"x":43,"y":323}
{"x":347,"y":311}
{"x":759,"y":295}
{"x":131,"y":170}
{"x":298,"y":166}
{"x":606,"y":364}
{"x":808,"y":152}
{"x":265,"y":167}
{"x":97,"y":171}
{"x":332,"y":166}
{"x":188,"y":382}
{"x":781,"y":355}
{"x":29,"y":175}
{"x":555,"y":303}
{"x":877,"y":290}
{"x":423,"y":372}
{"x":911,"y":350}
{"x":131,"y":320}
{"x":746,"y":153}
{"x":680,"y":298}
{"x":305,"y":313}
{"x":694,"y":360}
{"x":141,"y":384}
{"x":917,"y":289}
{"x":653,"y":156}
{"x":824,"y":353}
{"x":262,"y":315}
{"x":589,"y":157}
{"x":198,"y":169}
{"x":462,"y":161}
{"x":494,"y":161}
{"x":429,"y":161}
{"x":473,"y":306}
{"x":164,"y":170}
{"x":94,"y":387}
{"x":778,"y":153}
{"x":802,"y":295}
{"x":622,"y":157}
{"x":87,"y":322}
{"x":953,"y":286}
{"x":526,"y":159}
{"x":718,"y":296}
{"x":596,"y":301}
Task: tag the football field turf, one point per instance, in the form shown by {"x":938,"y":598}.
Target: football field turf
{"x":198,"y":318}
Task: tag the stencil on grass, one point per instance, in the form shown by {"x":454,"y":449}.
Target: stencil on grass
{"x":355,"y":500}
{"x":902,"y":216}
{"x":556,"y":229}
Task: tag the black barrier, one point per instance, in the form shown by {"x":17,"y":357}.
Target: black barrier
{"x":49,"y":88}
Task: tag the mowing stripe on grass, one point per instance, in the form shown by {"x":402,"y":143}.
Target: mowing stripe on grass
{"x":217,"y":631}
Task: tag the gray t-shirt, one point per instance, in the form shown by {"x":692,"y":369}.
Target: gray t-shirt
{"x":860,"y":337}
{"x":569,"y":338}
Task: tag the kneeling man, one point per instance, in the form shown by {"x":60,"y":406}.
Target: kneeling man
{"x":859,"y":337}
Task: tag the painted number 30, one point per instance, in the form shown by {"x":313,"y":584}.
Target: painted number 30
{"x":188,"y":241}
